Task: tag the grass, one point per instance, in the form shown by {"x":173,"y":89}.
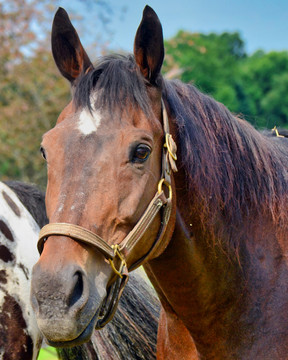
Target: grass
{"x":48,"y":353}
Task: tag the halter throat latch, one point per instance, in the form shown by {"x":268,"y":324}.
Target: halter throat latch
{"x":117,"y":255}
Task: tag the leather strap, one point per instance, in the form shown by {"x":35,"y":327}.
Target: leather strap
{"x":75,"y":232}
{"x":126,"y":246}
{"x":110,"y":303}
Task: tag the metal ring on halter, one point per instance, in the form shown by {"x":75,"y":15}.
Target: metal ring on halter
{"x":122,"y":264}
{"x":165,"y":182}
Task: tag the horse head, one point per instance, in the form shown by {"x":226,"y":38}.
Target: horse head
{"x":105,"y":163}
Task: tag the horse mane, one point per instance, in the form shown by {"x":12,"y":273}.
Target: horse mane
{"x":118,"y":82}
{"x":236,"y":174}
{"x":32,"y":198}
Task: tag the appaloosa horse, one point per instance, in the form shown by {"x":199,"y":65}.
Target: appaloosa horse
{"x":131,"y":334}
{"x":212,"y":236}
{"x":20,"y":337}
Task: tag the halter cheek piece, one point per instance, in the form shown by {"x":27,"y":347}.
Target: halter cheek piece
{"x":118,"y":255}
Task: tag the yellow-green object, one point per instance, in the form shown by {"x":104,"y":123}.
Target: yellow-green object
{"x":48,"y":353}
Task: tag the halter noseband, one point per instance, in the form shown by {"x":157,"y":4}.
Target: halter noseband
{"x":118,"y":255}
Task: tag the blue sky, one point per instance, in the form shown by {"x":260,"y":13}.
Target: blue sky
{"x":263,"y":24}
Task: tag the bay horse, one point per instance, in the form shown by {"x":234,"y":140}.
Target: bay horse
{"x":22,"y":214}
{"x":131,"y":334}
{"x":211,"y":236}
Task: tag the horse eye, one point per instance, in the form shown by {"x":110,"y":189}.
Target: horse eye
{"x":42,"y":151}
{"x":141,"y":153}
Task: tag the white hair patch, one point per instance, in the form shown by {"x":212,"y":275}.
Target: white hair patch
{"x":89,"y":122}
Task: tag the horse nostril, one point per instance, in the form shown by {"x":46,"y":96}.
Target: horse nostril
{"x":77,"y":290}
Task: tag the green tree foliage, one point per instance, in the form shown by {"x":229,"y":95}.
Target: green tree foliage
{"x":30,"y":102}
{"x":30,"y":88}
{"x":253,"y":86}
{"x":210,"y":61}
{"x":32,"y":92}
{"x":263,"y":78}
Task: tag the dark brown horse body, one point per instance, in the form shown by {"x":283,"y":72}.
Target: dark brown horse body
{"x":222,"y":279}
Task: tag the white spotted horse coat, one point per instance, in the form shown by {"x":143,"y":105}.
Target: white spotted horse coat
{"x":20,"y":338}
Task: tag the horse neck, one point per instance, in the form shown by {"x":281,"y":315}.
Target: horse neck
{"x":201,"y":285}
{"x":204,"y":272}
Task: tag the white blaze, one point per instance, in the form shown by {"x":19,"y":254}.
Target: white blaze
{"x":89,"y":121}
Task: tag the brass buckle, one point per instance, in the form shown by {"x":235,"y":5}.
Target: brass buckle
{"x":277,"y":132}
{"x":122,"y":264}
{"x":160,"y":186}
{"x":168,"y":140}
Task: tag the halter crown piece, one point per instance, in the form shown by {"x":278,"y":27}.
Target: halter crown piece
{"x":118,"y":255}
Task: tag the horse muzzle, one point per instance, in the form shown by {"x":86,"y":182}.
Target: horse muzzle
{"x":67,"y":303}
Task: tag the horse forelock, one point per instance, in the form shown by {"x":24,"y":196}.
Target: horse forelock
{"x":118,"y":83}
{"x":234,"y":173}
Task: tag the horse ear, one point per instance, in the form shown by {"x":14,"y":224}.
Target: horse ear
{"x":68,"y":52}
{"x":148,"y":45}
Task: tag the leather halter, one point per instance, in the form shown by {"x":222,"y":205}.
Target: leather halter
{"x":118,"y":255}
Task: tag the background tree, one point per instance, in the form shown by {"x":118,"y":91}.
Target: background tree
{"x":210,"y":61}
{"x":253,"y":86}
{"x":30,"y":102}
{"x":31,"y":90}
{"x":263,"y":78}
